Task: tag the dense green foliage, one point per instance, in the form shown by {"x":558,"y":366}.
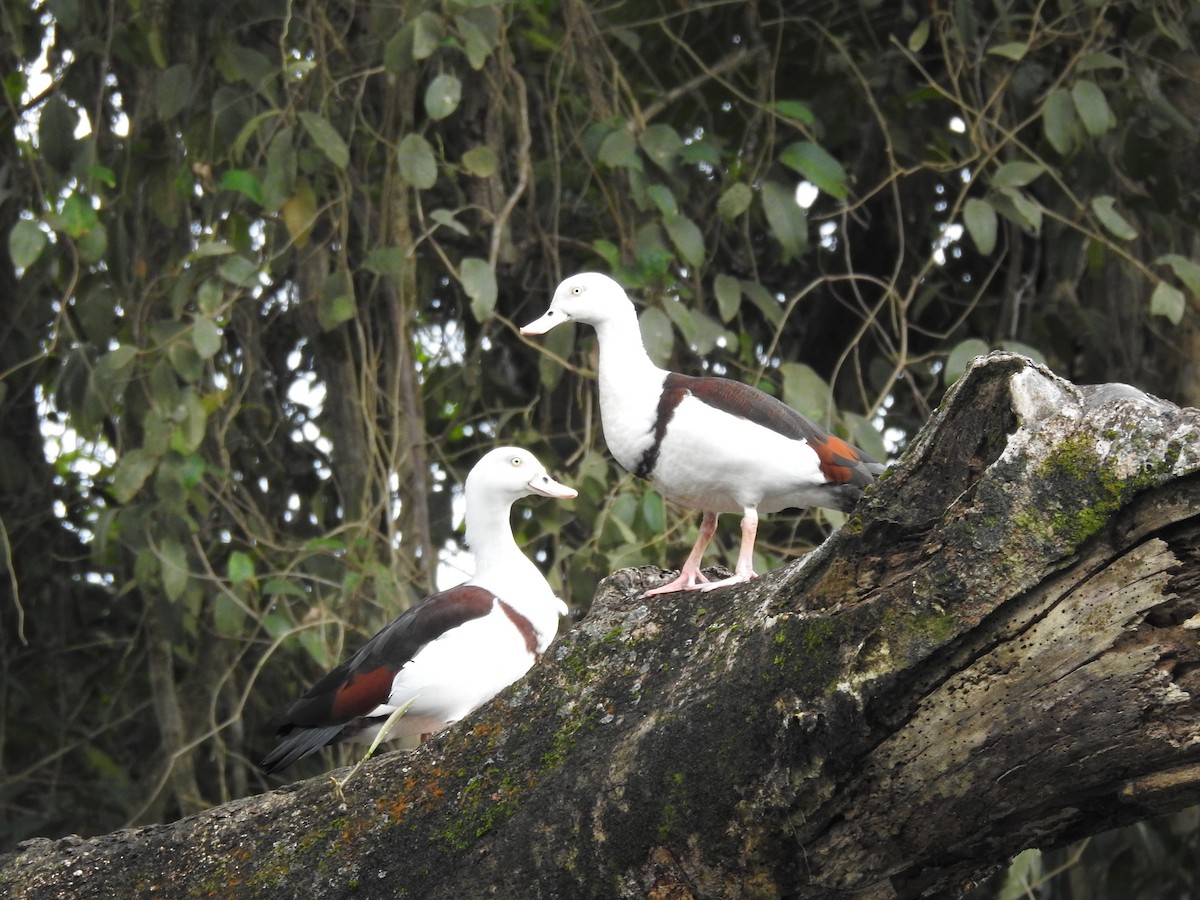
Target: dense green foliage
{"x":266,"y":259}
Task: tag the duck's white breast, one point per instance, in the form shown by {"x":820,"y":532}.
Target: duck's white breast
{"x":628,"y":411}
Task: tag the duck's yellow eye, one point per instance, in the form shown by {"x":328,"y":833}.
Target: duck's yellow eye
{"x":516,"y":461}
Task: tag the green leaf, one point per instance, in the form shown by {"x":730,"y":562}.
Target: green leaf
{"x":664,"y":199}
{"x":864,"y":434}
{"x":1185,"y":270}
{"x":185,"y":360}
{"x":1099,"y":60}
{"x":104,"y":175}
{"x":1167,"y":300}
{"x":335,"y":304}
{"x":56,"y":132}
{"x":78,"y":216}
{"x":961,"y":356}
{"x":707,"y":331}
{"x":240,"y":567}
{"x":229,"y":618}
{"x":684,"y":320}
{"x":325,"y":136}
{"x":734,"y":201}
{"x":477,"y":44}
{"x":662,"y":144}
{"x":1016,"y":174}
{"x":795,"y":110}
{"x":251,"y":129}
{"x":608,"y":251}
{"x":277,"y":624}
{"x":654,"y":257}
{"x":702,"y":152}
{"x":351,"y":582}
{"x":653,"y":511}
{"x":788,"y":222}
{"x":166,"y":394}
{"x":657,"y":334}
{"x":191,"y":473}
{"x":729,"y":296}
{"x":398,"y":51}
{"x":26,"y":242}
{"x":172,"y":92}
{"x":114,"y":370}
{"x":189,"y":434}
{"x":244,"y":183}
{"x":479,"y":281}
{"x":314,"y":644}
{"x":387,"y":261}
{"x":1022,"y":209}
{"x":296,"y":69}
{"x":95,"y":310}
{"x":209,"y":297}
{"x":131,"y":472}
{"x":767,"y":303}
{"x":805,"y":391}
{"x":1024,"y":870}
{"x":443,"y":96}
{"x":106,"y":768}
{"x":446,"y":218}
{"x":919,"y":36}
{"x":816,"y":164}
{"x":299,"y":212}
{"x":282,"y":162}
{"x":620,"y":518}
{"x":428,"y":28}
{"x":173,"y":567}
{"x":239,"y":271}
{"x":280,"y":587}
{"x":558,"y":343}
{"x":1104,"y":207}
{"x":619,"y":150}
{"x":1014,"y":50}
{"x":687,"y":238}
{"x":979,"y":216}
{"x":251,"y":66}
{"x":206,"y":337}
{"x":1060,"y":125}
{"x":417,"y":162}
{"x":93,"y":245}
{"x":1091,"y":104}
{"x":627,"y":36}
{"x":481,"y":161}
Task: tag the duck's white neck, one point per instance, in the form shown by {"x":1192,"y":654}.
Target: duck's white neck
{"x":489,"y":534}
{"x":630,"y":387}
{"x":624,"y":363}
{"x":503,"y":569}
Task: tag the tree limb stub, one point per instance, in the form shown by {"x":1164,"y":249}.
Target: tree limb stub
{"x":999,"y":650}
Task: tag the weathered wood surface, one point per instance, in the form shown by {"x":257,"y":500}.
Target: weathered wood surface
{"x":999,"y":650}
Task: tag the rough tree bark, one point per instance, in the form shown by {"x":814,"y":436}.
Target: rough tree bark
{"x":998,"y":650}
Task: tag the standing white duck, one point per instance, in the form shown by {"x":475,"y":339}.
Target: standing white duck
{"x":713,"y":444}
{"x":451,"y":652}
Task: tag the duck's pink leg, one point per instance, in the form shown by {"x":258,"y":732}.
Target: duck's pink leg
{"x":690,"y":577}
{"x":745,"y":563}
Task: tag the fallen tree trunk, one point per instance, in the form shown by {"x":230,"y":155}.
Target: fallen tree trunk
{"x":999,"y":650}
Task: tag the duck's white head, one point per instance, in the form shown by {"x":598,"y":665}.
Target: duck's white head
{"x":501,"y":477}
{"x":588,"y":297}
{"x":510,"y":473}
